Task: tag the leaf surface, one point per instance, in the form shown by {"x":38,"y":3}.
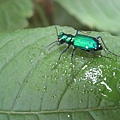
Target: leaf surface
{"x":33,"y":87}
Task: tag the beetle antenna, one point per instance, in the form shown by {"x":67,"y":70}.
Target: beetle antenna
{"x":49,"y":44}
{"x":56,"y":30}
{"x":52,"y":42}
{"x":106,"y":47}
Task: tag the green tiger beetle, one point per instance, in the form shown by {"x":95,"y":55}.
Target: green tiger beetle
{"x":82,"y":42}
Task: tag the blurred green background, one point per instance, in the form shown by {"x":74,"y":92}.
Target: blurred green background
{"x":97,"y":15}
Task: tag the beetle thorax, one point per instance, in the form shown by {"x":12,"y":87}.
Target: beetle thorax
{"x":65,"y":38}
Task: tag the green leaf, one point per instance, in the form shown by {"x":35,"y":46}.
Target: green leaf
{"x":13,"y":14}
{"x":100,"y":14}
{"x":33,"y":87}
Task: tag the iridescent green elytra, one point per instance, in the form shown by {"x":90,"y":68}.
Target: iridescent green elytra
{"x":83,"y":42}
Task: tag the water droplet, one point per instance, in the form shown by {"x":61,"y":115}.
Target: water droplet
{"x":79,"y":79}
{"x":57,"y":70}
{"x":45,"y":76}
{"x":104,"y":95}
{"x":54,"y":96}
{"x":81,"y":101}
{"x":54,"y":80}
{"x":71,"y":87}
{"x":31,"y":61}
{"x":65,"y":61}
{"x":42,"y":53}
{"x":99,"y":89}
{"x":84,"y":86}
{"x":77,"y":87}
{"x":68,"y":115}
{"x":105,"y":78}
{"x":83,"y":92}
{"x":64,"y":57}
{"x":23,"y":41}
{"x":74,"y":80}
{"x":44,"y":88}
{"x":91,"y":90}
{"x":113,"y":73}
{"x":65,"y":71}
{"x":63,"y":74}
{"x":94,"y":74}
{"x":103,"y":83}
{"x":84,"y":67}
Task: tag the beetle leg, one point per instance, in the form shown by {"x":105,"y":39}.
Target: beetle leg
{"x":72,"y":54}
{"x":76,"y":32}
{"x":99,"y":55}
{"x":63,"y":51}
{"x":99,"y":37}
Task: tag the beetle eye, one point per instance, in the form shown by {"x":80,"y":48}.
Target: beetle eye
{"x":100,"y":47}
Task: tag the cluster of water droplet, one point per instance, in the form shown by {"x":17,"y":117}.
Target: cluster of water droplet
{"x":93,"y":74}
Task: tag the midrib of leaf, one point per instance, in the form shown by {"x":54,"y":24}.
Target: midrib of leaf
{"x":60,"y":111}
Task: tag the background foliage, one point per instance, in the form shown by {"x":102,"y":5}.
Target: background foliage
{"x":81,"y":14}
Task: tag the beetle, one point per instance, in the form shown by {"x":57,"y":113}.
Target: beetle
{"x":82,"y":42}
